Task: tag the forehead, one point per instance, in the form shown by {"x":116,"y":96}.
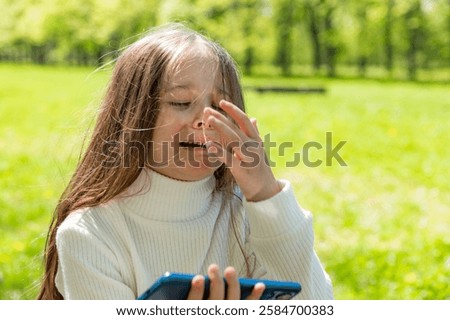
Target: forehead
{"x":195,"y":68}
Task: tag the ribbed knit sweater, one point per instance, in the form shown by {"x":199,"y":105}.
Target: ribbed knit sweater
{"x":118,"y":250}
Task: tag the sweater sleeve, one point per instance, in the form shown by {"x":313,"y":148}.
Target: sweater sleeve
{"x":282,"y":237}
{"x":87,"y":267}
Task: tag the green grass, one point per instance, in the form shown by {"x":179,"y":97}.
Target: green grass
{"x":42,"y":111}
{"x":382,"y":222}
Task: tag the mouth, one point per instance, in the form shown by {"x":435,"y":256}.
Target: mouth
{"x":192,"y":144}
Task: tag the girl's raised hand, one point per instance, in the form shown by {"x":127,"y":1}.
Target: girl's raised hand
{"x":240,"y":147}
{"x":217,"y":286}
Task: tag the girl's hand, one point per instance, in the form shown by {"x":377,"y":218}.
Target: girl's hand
{"x":217,"y":286}
{"x":241,"y":149}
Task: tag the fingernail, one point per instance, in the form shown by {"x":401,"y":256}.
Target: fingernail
{"x":197,"y":280}
{"x":260,"y":285}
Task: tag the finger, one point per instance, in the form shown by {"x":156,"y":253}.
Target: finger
{"x":227,"y":130}
{"x":197,"y":288}
{"x":240,"y":118}
{"x":236,"y":144}
{"x":257,"y":291}
{"x":234,"y":140}
{"x":251,"y":153}
{"x":255,"y":124}
{"x":245,"y":126}
{"x":217,"y":285}
{"x":233,"y":289}
{"x":231,"y":140}
{"x":218,"y":114}
{"x":231,"y":156}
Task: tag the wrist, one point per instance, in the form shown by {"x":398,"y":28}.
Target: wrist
{"x":265,"y":193}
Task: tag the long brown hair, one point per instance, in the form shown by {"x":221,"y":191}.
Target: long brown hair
{"x":128,"y":113}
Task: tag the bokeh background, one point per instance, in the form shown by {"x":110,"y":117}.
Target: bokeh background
{"x":374,"y":73}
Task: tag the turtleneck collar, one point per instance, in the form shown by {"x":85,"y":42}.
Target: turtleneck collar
{"x":161,"y":198}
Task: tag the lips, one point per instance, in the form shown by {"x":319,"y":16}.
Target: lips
{"x":192,"y":144}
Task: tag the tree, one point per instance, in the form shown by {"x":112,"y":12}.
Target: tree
{"x":363,"y":36}
{"x":435,"y":47}
{"x":388,"y":39}
{"x":236,"y":24}
{"x":248,"y":14}
{"x":330,"y":38}
{"x":24,"y":27}
{"x":414,"y":22}
{"x":411,"y":34}
{"x":284,"y":23}
{"x":313,"y":18}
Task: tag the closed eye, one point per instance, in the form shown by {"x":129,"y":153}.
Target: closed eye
{"x":181,"y":105}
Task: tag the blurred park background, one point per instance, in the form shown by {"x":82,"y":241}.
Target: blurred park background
{"x":382,"y":222}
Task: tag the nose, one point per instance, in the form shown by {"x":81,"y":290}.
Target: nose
{"x":198,"y":122}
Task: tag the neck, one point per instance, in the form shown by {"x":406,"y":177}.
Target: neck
{"x":161,"y":198}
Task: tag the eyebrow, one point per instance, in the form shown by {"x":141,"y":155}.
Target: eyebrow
{"x":187,"y":87}
{"x":177,"y":87}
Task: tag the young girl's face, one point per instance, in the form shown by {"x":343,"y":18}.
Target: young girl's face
{"x":179,"y":136}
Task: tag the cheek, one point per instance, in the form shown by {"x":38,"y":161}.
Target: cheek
{"x":167,"y":125}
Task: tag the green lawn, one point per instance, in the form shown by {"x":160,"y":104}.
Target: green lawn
{"x":382,"y":222}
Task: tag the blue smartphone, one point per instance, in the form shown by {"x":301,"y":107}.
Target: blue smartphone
{"x":176,"y":286}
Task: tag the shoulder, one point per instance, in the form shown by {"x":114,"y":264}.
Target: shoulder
{"x":91,"y":222}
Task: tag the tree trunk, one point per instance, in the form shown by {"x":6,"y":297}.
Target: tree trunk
{"x":330,"y":46}
{"x":362,"y":39}
{"x":285,"y":21}
{"x":249,"y":60}
{"x":388,"y":42}
{"x":414,"y":24}
{"x":314,"y":33}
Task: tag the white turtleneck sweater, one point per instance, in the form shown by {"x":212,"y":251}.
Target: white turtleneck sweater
{"x":118,"y":250}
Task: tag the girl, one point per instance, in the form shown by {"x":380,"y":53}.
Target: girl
{"x":174,"y":179}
